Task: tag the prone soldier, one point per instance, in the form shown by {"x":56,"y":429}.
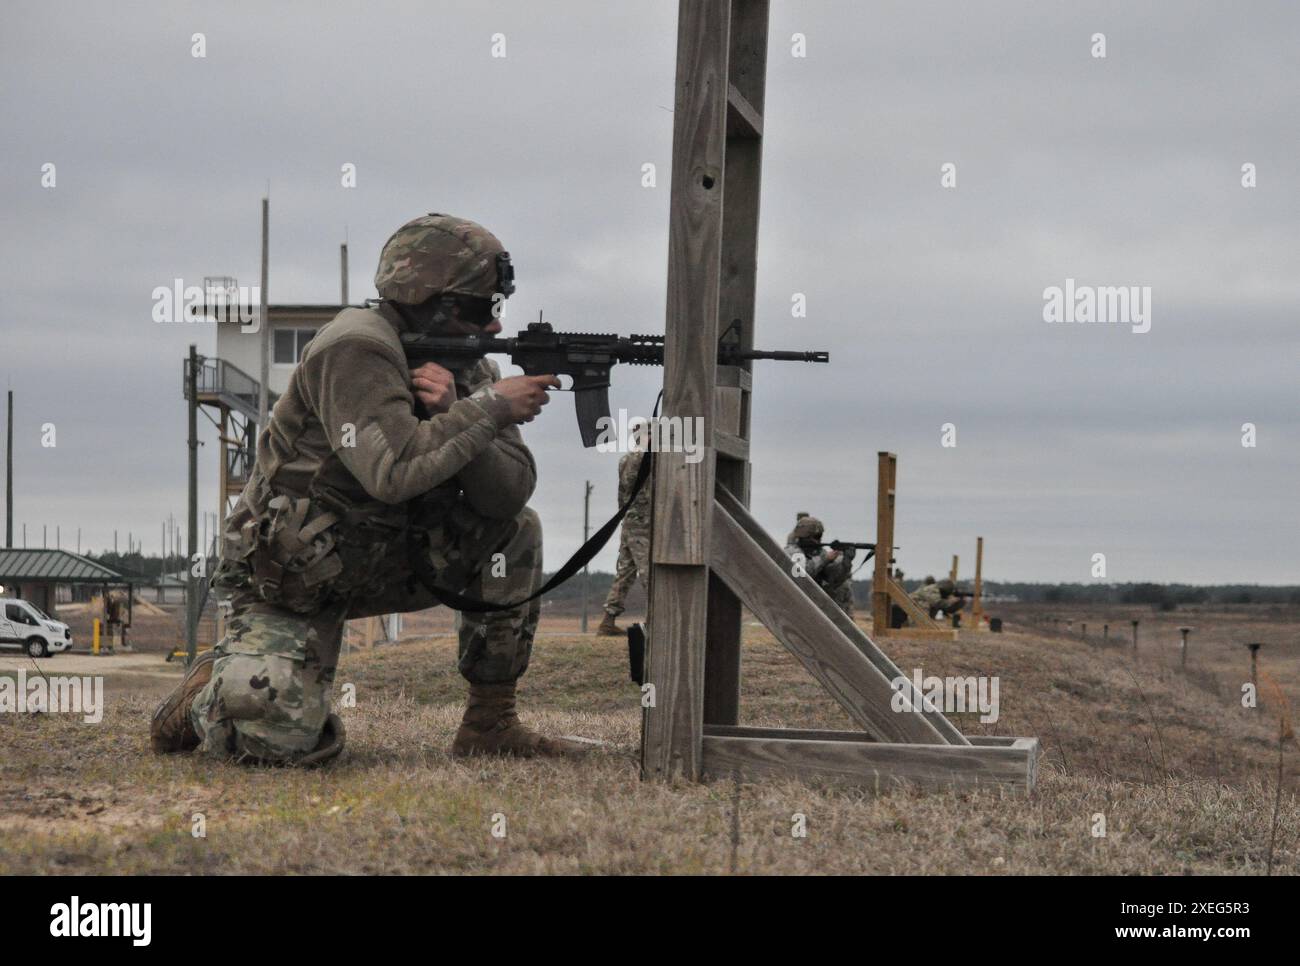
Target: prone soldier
{"x":939,"y":598}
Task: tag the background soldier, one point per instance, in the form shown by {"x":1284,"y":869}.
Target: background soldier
{"x":633,"y":542}
{"x":939,"y":598}
{"x":352,"y":485}
{"x":831,"y":569}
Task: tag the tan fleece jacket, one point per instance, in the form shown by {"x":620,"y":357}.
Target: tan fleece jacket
{"x":347,"y":422}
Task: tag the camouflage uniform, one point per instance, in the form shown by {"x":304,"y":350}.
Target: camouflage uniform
{"x":634,"y":538}
{"x":348,"y":484}
{"x":833,"y":576}
{"x":936,"y":598}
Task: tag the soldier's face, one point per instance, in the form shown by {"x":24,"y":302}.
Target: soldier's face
{"x":461,"y":327}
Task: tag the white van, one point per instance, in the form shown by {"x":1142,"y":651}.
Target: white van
{"x":26,"y":626}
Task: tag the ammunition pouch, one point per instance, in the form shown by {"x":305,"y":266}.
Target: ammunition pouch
{"x":305,"y":553}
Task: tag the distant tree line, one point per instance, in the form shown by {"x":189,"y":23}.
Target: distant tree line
{"x":1160,"y":596}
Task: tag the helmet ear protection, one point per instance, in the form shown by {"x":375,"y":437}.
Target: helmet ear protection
{"x":505,"y":275}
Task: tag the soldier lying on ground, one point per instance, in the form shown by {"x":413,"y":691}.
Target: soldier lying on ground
{"x":350,"y":484}
{"x":831,"y":568}
{"x":939,"y":598}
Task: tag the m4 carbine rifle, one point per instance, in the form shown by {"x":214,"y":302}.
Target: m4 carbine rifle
{"x":585,"y":357}
{"x":845,"y":545}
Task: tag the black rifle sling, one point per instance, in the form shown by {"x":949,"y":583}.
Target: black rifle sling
{"x":426,"y":574}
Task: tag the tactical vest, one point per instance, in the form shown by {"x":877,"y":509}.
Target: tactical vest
{"x":300,"y":543}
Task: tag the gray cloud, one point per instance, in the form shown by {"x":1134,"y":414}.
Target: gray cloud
{"x":1071,"y":440}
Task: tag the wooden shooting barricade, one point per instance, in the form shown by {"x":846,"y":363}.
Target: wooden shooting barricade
{"x":886,"y":592}
{"x":709,"y":557}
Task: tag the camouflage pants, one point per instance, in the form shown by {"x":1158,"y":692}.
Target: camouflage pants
{"x":633,"y":561}
{"x":842,"y":594}
{"x":269,"y":694}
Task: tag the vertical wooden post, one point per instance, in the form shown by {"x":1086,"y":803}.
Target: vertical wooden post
{"x":743,"y":163}
{"x":952,"y":574}
{"x":886,"y":471}
{"x":1135,"y":635}
{"x":672,"y":725}
{"x":977,"y":605}
{"x":1254,"y":669}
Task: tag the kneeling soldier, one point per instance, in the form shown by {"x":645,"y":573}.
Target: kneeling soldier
{"x":365,"y":467}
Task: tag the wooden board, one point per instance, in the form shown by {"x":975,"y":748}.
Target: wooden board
{"x":677,"y":626}
{"x":846,"y":760}
{"x":864,"y":644}
{"x":784,"y":607}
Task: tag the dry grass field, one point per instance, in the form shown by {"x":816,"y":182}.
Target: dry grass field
{"x":1186,"y":779}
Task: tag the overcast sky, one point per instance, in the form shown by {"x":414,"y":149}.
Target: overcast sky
{"x":1071,"y":439}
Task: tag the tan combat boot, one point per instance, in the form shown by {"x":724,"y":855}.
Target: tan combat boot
{"x":333,"y":737}
{"x":608,"y":628}
{"x":492,"y":727}
{"x":170,"y":730}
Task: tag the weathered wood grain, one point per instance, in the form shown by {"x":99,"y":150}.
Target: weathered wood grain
{"x":683,"y":495}
{"x":769,"y":590}
{"x":882,"y":662}
{"x":872,"y":765}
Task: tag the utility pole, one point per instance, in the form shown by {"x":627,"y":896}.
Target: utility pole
{"x":9,"y":477}
{"x":343,"y":274}
{"x":262,"y":404}
{"x":192,"y":522}
{"x":586,"y":532}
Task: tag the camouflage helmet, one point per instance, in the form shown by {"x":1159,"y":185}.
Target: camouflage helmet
{"x":440,"y":255}
{"x":946,"y":587}
{"x":808,"y":528}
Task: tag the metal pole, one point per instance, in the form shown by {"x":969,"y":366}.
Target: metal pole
{"x":9,"y":477}
{"x":191,"y":581}
{"x":262,"y":404}
{"x":343,"y":273}
{"x":586,"y":532}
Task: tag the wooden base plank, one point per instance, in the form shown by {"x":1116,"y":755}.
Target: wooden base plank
{"x":846,"y":760}
{"x":918,"y":634}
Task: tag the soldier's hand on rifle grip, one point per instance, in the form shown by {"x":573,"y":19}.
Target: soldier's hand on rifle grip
{"x":434,"y":386}
{"x":526,"y":394}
